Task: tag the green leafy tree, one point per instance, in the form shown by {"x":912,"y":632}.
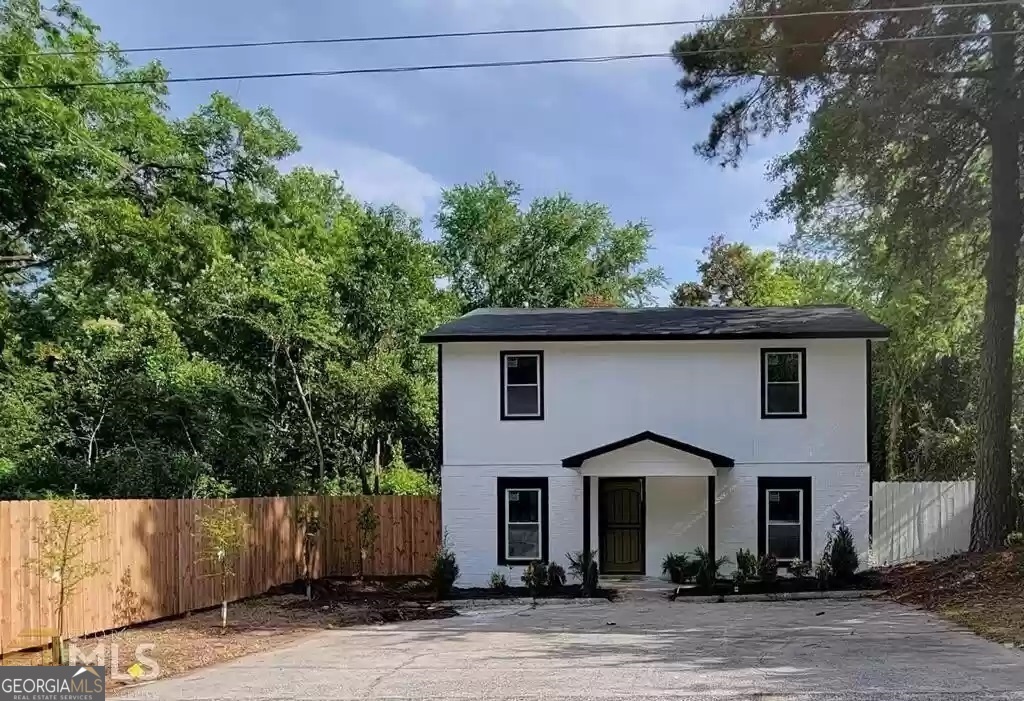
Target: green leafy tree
{"x":733,"y":275}
{"x":367,"y":525}
{"x":64,"y":543}
{"x":931,"y":130}
{"x":308,"y":521}
{"x":222,"y":532}
{"x":555,"y":253}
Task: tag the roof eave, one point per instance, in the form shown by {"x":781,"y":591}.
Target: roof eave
{"x":557,"y":337}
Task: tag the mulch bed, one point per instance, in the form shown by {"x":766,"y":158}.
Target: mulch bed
{"x":261,"y":623}
{"x":566,"y":592}
{"x":783,"y":585}
{"x":370,"y":592}
{"x":982,"y":591}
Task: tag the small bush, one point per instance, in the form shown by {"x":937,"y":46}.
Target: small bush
{"x":823,"y":573}
{"x":842,"y":552}
{"x":583,"y":566}
{"x":707,"y":568}
{"x":589,"y":586}
{"x":1015,"y":540}
{"x":675,"y":566}
{"x":746,"y":566}
{"x":445,"y":570}
{"x":690,"y":570}
{"x":556,"y":576}
{"x":498,"y":581}
{"x":535,"y":577}
{"x":768,"y":569}
{"x":800,"y":568}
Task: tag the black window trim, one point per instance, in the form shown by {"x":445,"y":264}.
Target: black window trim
{"x":764,"y":484}
{"x":802,"y":352}
{"x":506,"y":483}
{"x":505,"y":416}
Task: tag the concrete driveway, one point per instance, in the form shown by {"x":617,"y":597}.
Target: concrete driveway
{"x":655,"y":650}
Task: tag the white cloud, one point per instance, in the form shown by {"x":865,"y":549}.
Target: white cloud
{"x":372,"y":175}
{"x":638,"y":40}
{"x":526,"y":13}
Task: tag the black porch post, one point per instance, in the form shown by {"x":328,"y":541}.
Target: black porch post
{"x":586,"y":514}
{"x":711,"y":515}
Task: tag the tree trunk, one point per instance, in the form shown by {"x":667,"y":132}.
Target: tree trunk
{"x":990,"y":521}
{"x":309,"y":414}
{"x":376,"y":469}
{"x":892,"y":438}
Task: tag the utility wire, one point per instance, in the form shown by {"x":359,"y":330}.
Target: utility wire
{"x":507,"y":32}
{"x":504,"y":64}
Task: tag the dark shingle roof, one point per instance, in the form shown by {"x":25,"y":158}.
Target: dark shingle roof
{"x":657,"y":323}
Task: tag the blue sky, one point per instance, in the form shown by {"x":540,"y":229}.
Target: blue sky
{"x":611,"y":133}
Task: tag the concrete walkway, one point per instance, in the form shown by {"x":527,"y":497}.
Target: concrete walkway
{"x":857,"y":649}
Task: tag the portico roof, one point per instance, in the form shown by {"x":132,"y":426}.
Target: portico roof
{"x":716,"y":459}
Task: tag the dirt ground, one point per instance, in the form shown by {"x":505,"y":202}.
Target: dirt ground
{"x":982,"y":591}
{"x":255,"y":625}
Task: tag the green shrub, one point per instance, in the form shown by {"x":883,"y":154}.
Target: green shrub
{"x":690,"y":570}
{"x":590,"y":582}
{"x":842,"y":552}
{"x":583,"y":566}
{"x":1015,"y":540}
{"x":445,"y":570}
{"x":556,"y":576}
{"x":675,"y":566}
{"x":403,"y":480}
{"x":768,"y":569}
{"x":800,"y":568}
{"x":535,"y":577}
{"x":498,"y":581}
{"x":746,"y":566}
{"x":707,"y":568}
{"x":823,"y":573}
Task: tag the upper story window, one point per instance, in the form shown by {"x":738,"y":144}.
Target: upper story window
{"x":783,"y":383}
{"x":522,"y":385}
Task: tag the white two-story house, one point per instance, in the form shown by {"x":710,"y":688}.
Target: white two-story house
{"x":640,"y":432}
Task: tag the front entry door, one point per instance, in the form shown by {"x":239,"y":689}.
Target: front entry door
{"x":621,"y":526}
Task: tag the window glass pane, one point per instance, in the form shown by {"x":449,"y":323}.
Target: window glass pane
{"x":521,"y":369}
{"x":783,"y":367}
{"x":783,"y":506}
{"x":783,"y":399}
{"x":523,"y":505}
{"x":523,"y":400}
{"x":784,"y":542}
{"x":524,"y":541}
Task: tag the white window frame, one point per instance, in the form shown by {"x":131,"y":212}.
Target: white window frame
{"x":800,"y":359}
{"x":505,"y":413}
{"x":768,"y":523}
{"x":539,"y":523}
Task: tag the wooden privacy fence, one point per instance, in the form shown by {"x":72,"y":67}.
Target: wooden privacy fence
{"x":151,"y":556}
{"x":920,"y":520}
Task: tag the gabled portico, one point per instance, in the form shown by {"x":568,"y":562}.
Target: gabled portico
{"x":644,"y":496}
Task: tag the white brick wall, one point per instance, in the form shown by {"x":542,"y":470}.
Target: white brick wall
{"x":835,"y":488}
{"x":469,"y":504}
{"x":469,"y":498}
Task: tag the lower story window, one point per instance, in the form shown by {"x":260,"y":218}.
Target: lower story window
{"x":784,"y":518}
{"x":522,"y":519}
{"x":785,"y":523}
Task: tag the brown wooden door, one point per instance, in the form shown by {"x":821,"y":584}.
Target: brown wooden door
{"x":621,"y":526}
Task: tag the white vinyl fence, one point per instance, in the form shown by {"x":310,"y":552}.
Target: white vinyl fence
{"x":920,"y":520}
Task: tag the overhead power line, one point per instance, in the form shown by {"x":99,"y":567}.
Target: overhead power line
{"x":511,"y":32}
{"x":503,"y":64}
